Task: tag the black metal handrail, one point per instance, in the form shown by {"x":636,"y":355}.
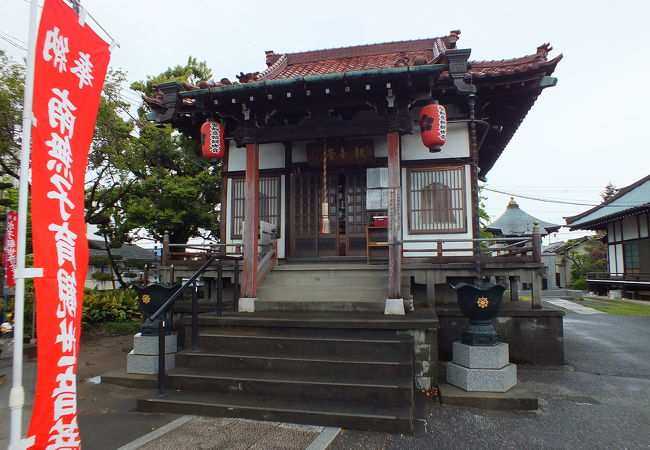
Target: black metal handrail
{"x":170,"y":301}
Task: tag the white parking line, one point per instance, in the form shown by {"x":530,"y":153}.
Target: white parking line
{"x":566,"y":304}
{"x":324,"y":439}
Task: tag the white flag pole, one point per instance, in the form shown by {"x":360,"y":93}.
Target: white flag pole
{"x":17,"y":393}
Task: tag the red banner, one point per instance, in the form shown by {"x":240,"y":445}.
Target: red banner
{"x":9,"y":253}
{"x":71,"y":63}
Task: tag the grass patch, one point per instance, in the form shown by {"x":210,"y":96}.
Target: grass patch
{"x":623,"y":308}
{"x":112,"y":328}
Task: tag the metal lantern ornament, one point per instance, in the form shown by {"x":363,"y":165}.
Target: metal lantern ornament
{"x":213,"y":143}
{"x":433,"y":126}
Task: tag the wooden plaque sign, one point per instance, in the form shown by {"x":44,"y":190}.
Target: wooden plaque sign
{"x":342,"y":154}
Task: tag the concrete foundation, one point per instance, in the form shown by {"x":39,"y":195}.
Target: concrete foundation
{"x":482,"y":380}
{"x":476,"y":357}
{"x":481,"y":369}
{"x":246,"y":304}
{"x":143,"y":359}
{"x":148,"y":364}
{"x":394,"y":306}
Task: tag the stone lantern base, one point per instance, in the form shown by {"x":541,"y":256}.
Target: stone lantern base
{"x":481,"y":368}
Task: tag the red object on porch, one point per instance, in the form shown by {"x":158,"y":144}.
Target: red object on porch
{"x":380,"y":221}
{"x":212,"y":140}
{"x":433,"y":126}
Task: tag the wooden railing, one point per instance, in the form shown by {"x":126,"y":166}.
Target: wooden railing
{"x":194,"y":253}
{"x":268,"y":261}
{"x":631,"y":277}
{"x":487,"y":247}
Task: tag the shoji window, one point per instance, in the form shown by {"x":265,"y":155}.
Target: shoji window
{"x":269,"y":203}
{"x":436,"y":200}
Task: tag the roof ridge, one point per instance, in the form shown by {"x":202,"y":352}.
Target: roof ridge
{"x":274,"y":68}
{"x":364,"y":45}
{"x":540,"y":55}
{"x":361,"y":50}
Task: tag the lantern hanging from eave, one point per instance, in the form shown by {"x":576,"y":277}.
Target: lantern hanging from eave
{"x":433,"y":126}
{"x":213,"y":143}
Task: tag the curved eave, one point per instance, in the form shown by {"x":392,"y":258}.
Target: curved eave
{"x":601,"y":222}
{"x":281,"y":83}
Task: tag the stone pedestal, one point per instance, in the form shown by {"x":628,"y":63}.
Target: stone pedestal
{"x":143,"y":358}
{"x":481,"y":368}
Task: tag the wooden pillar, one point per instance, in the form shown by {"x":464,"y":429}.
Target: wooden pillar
{"x":537,"y":243}
{"x":164,"y":260}
{"x":514,"y":288}
{"x":431,"y":288}
{"x":537,"y":273}
{"x":394,"y":226}
{"x":536,"y":292}
{"x":251,"y":222}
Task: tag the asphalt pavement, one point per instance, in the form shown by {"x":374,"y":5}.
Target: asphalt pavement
{"x":599,"y":399}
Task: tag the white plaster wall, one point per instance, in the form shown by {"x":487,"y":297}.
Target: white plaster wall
{"x":236,"y":157}
{"x":618,"y":236}
{"x":620,"y":267}
{"x":443,"y":236}
{"x":457,"y":145}
{"x":611,"y":258}
{"x":283,"y":212}
{"x":643,"y":220}
{"x":630,"y":228}
{"x":271,"y":157}
{"x":299,"y":152}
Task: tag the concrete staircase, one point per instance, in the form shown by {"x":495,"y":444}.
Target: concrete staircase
{"x":323,"y":373}
{"x":326,"y":287}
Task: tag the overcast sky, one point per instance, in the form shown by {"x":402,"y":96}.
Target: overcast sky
{"x":587,"y":131}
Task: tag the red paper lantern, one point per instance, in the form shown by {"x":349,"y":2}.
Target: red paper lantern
{"x":433,"y":126}
{"x":213,"y":143}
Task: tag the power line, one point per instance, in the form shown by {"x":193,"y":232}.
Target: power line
{"x":231,"y":27}
{"x":13,"y":41}
{"x":549,"y":200}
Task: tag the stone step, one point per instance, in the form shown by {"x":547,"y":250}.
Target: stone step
{"x":291,"y":328}
{"x":340,"y":305}
{"x":325,"y":413}
{"x":378,"y":392}
{"x":316,"y":322}
{"x":329,"y":346}
{"x":305,"y":364}
{"x":331,"y":294}
{"x":328,"y":278}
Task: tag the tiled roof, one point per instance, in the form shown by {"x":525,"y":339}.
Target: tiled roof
{"x":515,"y":222}
{"x":628,"y":199}
{"x":126,"y":251}
{"x":394,"y":54}
{"x":352,"y":59}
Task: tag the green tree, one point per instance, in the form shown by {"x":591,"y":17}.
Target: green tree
{"x":177,"y":190}
{"x":483,"y":216}
{"x":109,"y":178}
{"x":609,"y":192}
{"x":12,"y":75}
{"x":590,"y":256}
